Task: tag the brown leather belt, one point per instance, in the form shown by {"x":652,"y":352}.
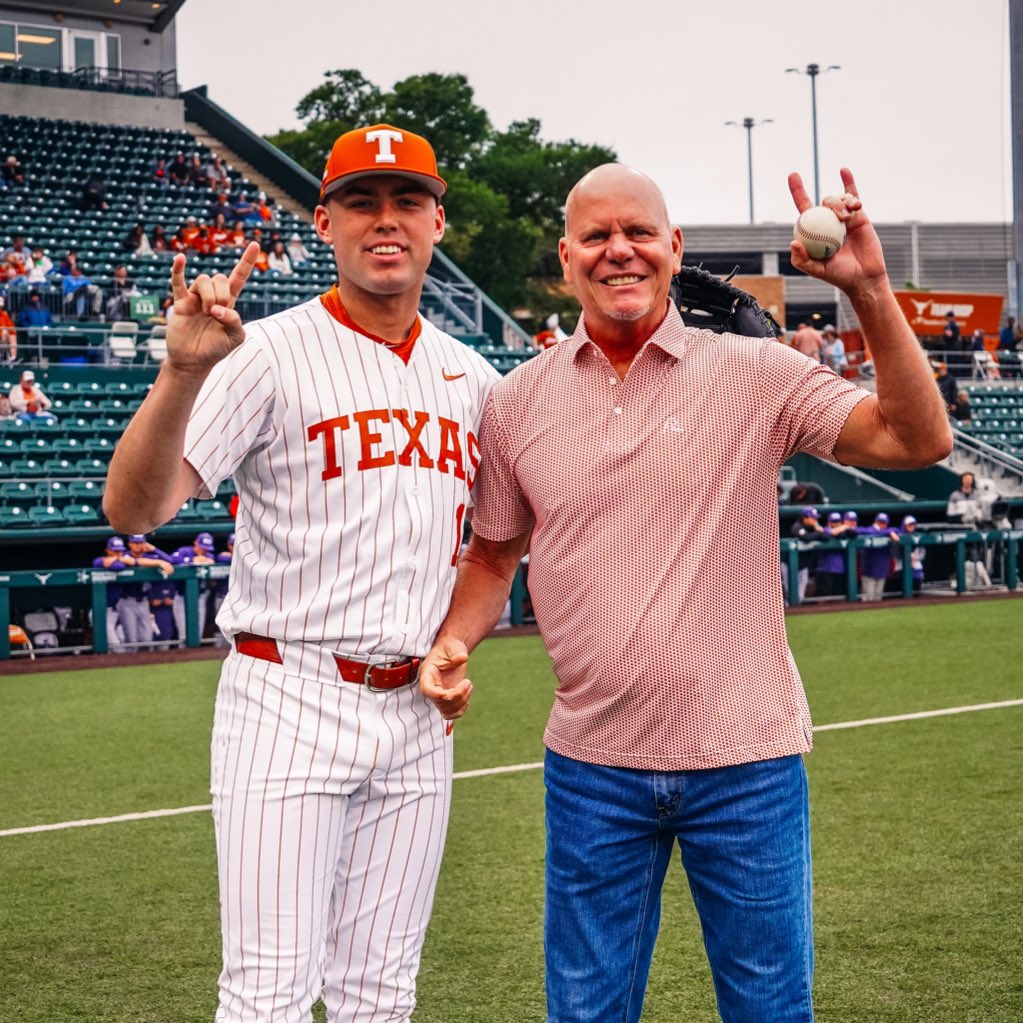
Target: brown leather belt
{"x":376,"y":677}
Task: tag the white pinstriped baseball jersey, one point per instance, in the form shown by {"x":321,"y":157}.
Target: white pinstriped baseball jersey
{"x":354,"y":472}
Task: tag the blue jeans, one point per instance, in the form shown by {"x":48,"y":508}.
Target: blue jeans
{"x":744,"y":835}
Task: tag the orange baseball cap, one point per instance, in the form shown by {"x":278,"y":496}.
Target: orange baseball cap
{"x":381,"y":149}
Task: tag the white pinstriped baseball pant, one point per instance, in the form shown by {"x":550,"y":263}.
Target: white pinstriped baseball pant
{"x":330,"y":804}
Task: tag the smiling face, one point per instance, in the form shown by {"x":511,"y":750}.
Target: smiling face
{"x":382,"y":230}
{"x":619,"y":252}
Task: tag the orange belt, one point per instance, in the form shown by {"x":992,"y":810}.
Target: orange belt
{"x":376,"y":677}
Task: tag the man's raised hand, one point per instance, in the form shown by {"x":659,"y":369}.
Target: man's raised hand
{"x":205,"y":326}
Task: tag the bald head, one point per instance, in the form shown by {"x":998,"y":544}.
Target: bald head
{"x":608,"y":183}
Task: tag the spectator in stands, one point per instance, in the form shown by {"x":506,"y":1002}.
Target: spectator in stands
{"x":17,"y":261}
{"x":297,"y":252}
{"x":200,"y":552}
{"x":806,"y":493}
{"x":35,"y":314}
{"x":28,"y":403}
{"x":133,"y":611}
{"x":948,"y":389}
{"x":220,"y":232}
{"x":550,"y":335}
{"x":137,"y":241}
{"x":216,"y":175}
{"x":8,"y":335}
{"x":950,"y":334}
{"x":221,"y":208}
{"x":262,"y":265}
{"x":833,"y":350}
{"x":977,"y":341}
{"x":70,"y":259}
{"x":966,"y":508}
{"x":160,"y":173}
{"x":807,"y":529}
{"x":203,"y":243}
{"x":191,"y":229}
{"x":42,"y":267}
{"x":917,"y":554}
{"x":268,"y":243}
{"x":197,"y":172}
{"x":178,"y":171}
{"x":830,"y":577}
{"x":12,"y":172}
{"x":808,"y":340}
{"x":81,"y":294}
{"x":237,"y":239}
{"x":160,"y":241}
{"x":876,"y":567}
{"x":122,"y":290}
{"x":266,"y":210}
{"x":94,"y":194}
{"x":179,"y":243}
{"x":1007,"y":335}
{"x":962,"y":412}
{"x":6,"y":412}
{"x":245,"y":211}
{"x":277,"y":260}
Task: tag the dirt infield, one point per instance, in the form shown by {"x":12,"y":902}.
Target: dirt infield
{"x":79,"y":662}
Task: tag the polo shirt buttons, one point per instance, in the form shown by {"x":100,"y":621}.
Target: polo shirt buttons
{"x":618,"y":410}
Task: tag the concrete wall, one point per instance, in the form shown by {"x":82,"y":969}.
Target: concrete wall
{"x":95,"y":107}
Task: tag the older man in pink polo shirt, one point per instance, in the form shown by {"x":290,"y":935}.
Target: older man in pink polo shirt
{"x":640,"y":457}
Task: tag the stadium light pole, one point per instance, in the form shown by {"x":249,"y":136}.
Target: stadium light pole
{"x":812,"y":71}
{"x":749,"y":124}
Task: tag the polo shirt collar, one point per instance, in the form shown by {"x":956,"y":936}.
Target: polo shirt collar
{"x":670,"y":336}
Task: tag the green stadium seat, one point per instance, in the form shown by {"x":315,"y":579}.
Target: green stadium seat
{"x":68,"y":447}
{"x":45,"y":515}
{"x":59,"y":467}
{"x":186,"y":513}
{"x":51,"y":491}
{"x":210,"y":510}
{"x":87,"y":490}
{"x":99,"y":445}
{"x":26,"y":467}
{"x":81,"y":514}
{"x":11,"y":492}
{"x":13,"y":518}
{"x":39,"y":446}
{"x":92,"y":466}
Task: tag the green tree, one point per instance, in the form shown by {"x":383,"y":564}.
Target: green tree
{"x":344,"y":101}
{"x":441,"y":108}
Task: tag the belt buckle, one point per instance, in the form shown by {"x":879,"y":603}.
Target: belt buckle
{"x":368,"y":676}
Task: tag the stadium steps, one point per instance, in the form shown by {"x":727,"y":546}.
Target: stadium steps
{"x":228,"y":155}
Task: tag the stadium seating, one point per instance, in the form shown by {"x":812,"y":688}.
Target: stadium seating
{"x":997,"y":415}
{"x":63,"y":464}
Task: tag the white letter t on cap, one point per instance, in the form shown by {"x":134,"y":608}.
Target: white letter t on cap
{"x":384,"y":139}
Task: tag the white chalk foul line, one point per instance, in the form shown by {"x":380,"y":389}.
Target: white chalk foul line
{"x":507,"y":769}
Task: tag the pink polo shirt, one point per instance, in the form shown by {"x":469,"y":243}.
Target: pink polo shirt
{"x":654,"y":566}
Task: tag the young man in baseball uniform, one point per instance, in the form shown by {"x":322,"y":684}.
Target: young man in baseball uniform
{"x":350,"y":426}
{"x":641,"y":456}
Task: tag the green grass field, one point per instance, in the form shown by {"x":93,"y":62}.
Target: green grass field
{"x":918,"y":838}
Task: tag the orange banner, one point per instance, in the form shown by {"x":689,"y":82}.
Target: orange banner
{"x":925,"y":311}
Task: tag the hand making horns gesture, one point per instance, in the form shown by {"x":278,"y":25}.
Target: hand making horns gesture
{"x":859,"y":263}
{"x":205,"y":326}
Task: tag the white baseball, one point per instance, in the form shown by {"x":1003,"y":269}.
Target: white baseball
{"x":820,"y":231}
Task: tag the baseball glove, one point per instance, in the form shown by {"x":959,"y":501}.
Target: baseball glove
{"x":711,"y":303}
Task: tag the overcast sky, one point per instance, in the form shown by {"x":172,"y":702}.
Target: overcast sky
{"x":919,"y":109}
